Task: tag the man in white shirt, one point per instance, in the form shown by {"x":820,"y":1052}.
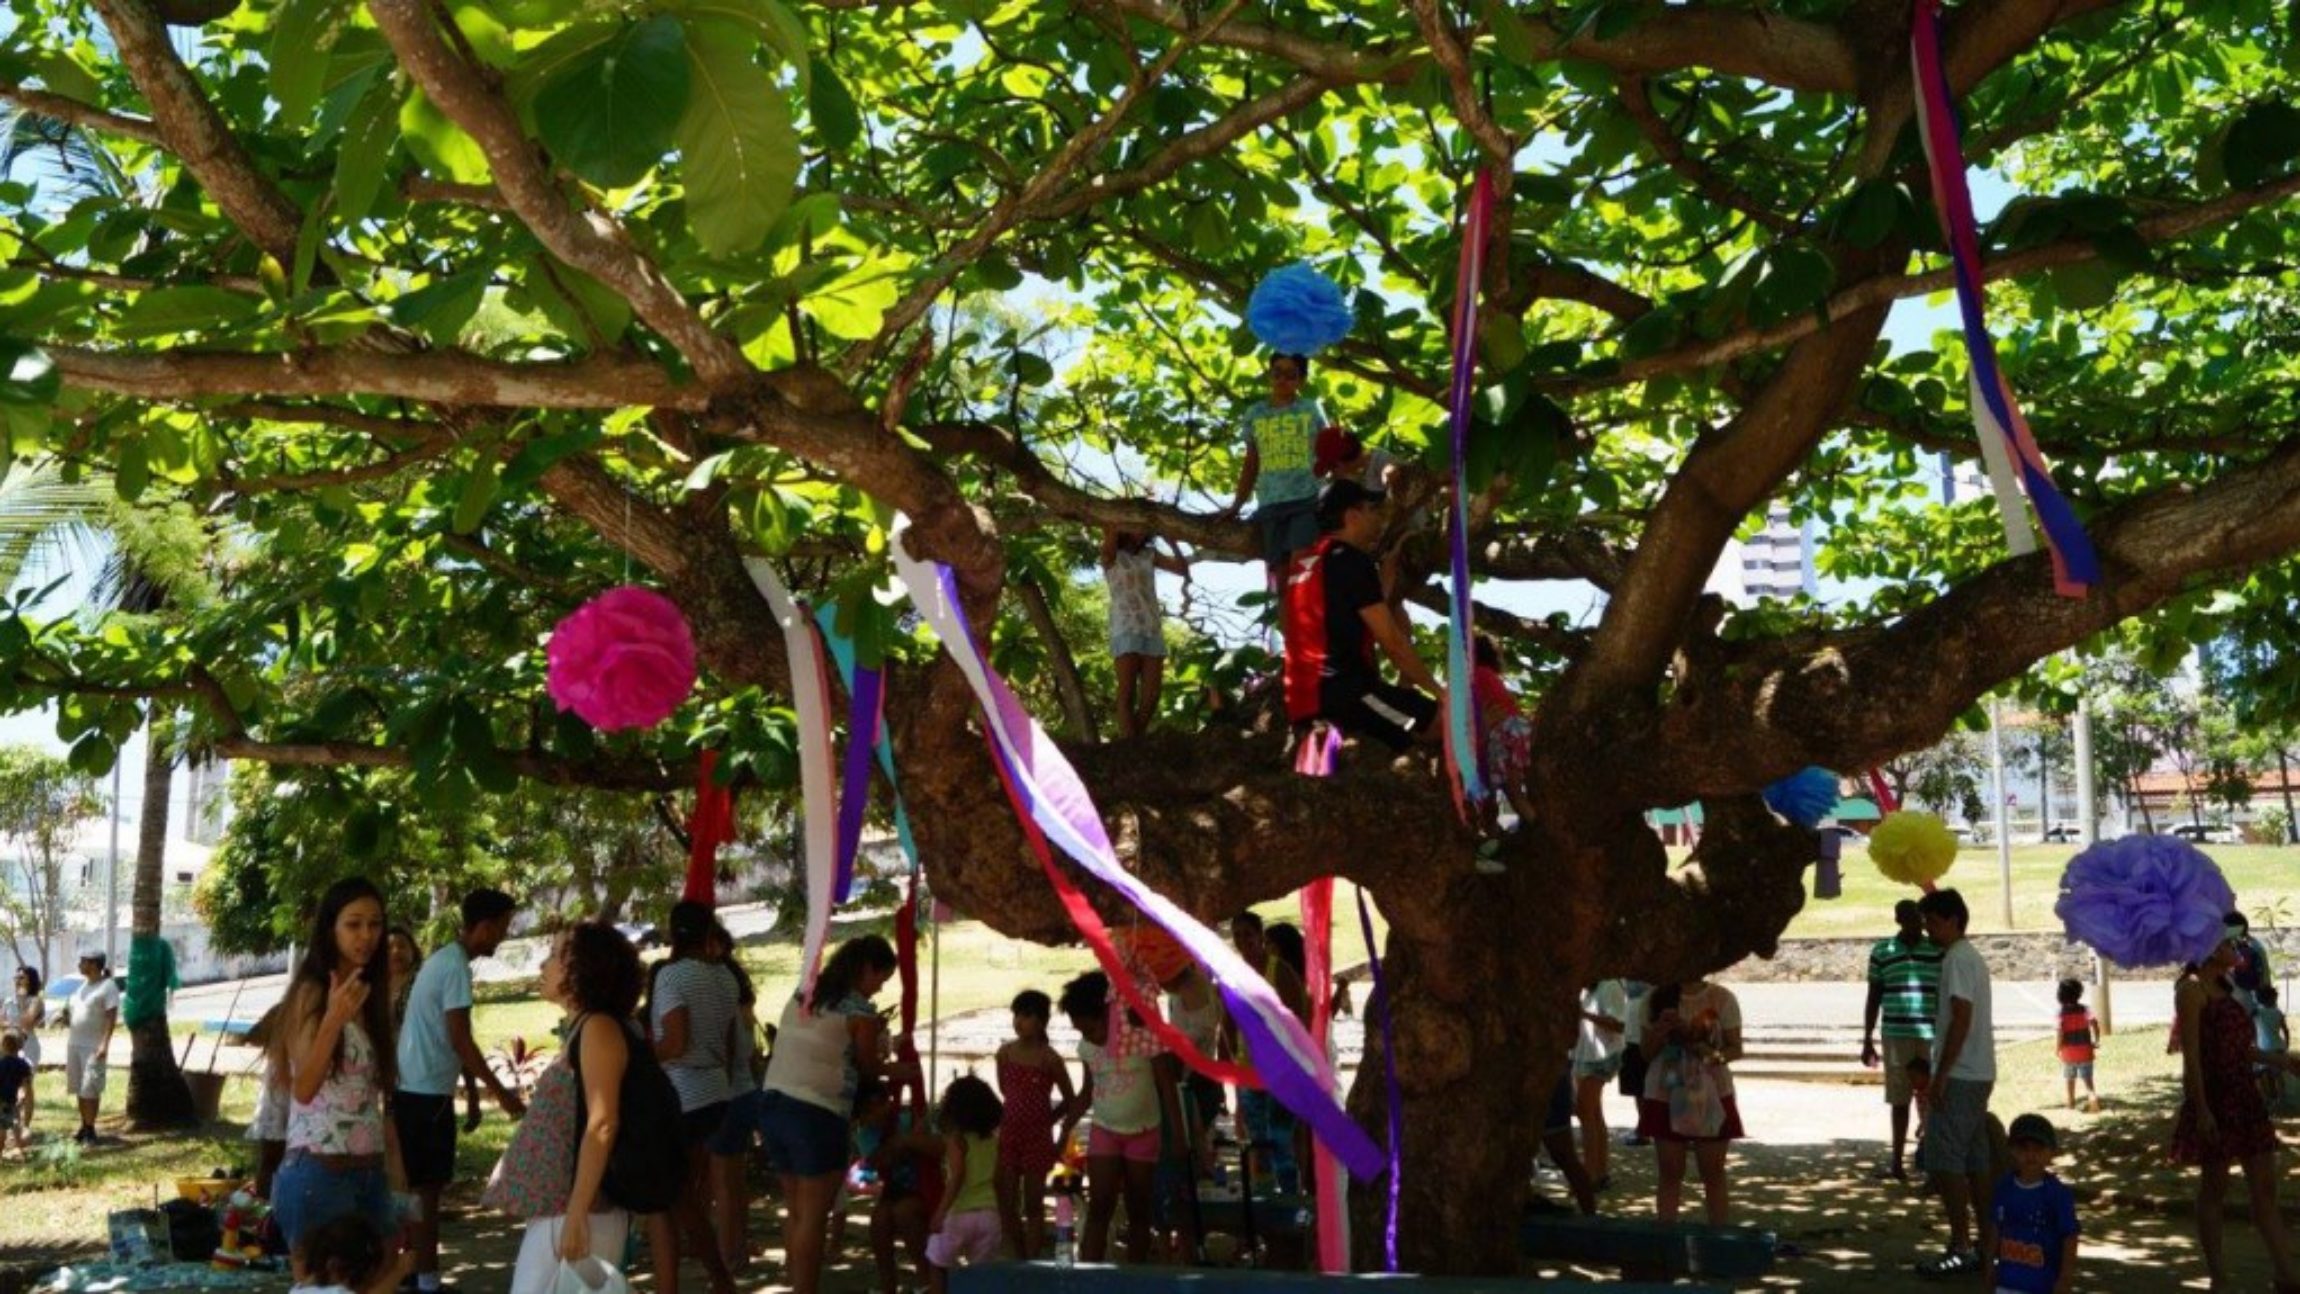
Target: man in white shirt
{"x":94,"y":1011}
{"x":437,"y":1052}
{"x":1955,"y":1149}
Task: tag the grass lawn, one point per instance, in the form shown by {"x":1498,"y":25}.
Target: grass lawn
{"x":2266,"y":879}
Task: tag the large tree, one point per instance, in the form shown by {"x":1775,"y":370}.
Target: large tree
{"x":466,"y":309}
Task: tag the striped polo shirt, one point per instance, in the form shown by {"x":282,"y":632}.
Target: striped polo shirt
{"x":1910,"y":975}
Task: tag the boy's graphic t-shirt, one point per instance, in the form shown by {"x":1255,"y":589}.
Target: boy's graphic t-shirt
{"x":2033,"y":1225}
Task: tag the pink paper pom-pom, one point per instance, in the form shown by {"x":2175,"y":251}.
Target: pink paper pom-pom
{"x":625,"y":659}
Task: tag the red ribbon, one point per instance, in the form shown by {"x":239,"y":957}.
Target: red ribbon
{"x":1886,"y":802}
{"x":1097,"y":936}
{"x":713,"y":822}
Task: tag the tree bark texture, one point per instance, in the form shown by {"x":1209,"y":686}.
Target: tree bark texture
{"x":157,"y":1094}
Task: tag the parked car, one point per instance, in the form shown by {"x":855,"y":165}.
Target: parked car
{"x":2063,"y":833}
{"x":642,"y":934}
{"x":1965,"y":835}
{"x":2206,"y":833}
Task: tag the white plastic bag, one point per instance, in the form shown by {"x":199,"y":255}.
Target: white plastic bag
{"x":590,"y":1276}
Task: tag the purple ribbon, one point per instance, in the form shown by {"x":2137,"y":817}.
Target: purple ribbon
{"x":1293,"y":1069}
{"x":1397,"y":1095}
{"x":866,"y":692}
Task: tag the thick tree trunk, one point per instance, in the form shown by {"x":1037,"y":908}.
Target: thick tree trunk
{"x":157,"y":1094}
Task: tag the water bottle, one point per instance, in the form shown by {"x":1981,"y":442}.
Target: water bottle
{"x":1065,"y":1231}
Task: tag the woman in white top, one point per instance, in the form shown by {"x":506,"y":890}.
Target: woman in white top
{"x":341,"y":1156}
{"x":824,"y":1047}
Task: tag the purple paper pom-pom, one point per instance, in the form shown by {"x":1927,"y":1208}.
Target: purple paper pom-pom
{"x":1298,"y":311}
{"x":1804,"y":797}
{"x":2145,"y":900}
{"x":625,"y":659}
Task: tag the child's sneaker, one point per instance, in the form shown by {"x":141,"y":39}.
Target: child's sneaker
{"x":1954,"y":1263}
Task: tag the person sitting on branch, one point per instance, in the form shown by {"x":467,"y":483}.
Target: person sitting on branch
{"x":1335,"y":615}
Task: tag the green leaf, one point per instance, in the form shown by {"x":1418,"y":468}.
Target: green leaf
{"x":1871,"y":214}
{"x":479,"y":491}
{"x":548,"y":59}
{"x":2261,"y":144}
{"x":738,"y":151}
{"x":131,"y":471}
{"x":303,"y":32}
{"x":64,"y":75}
{"x":1031,"y":368}
{"x":579,"y":306}
{"x":1796,"y":279}
{"x":165,"y":312}
{"x":368,"y":144}
{"x":613,"y":113}
{"x":93,"y":755}
{"x":831,"y":106}
{"x":2086,"y":285}
{"x":27,"y":375}
{"x":439,"y":144}
{"x":439,"y":310}
{"x":538,"y":456}
{"x":774,"y":22}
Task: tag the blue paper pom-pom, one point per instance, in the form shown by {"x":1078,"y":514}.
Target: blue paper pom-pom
{"x":2145,"y":901}
{"x":1298,"y":311}
{"x":1804,"y":797}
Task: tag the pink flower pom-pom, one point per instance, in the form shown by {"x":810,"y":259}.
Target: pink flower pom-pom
{"x":625,"y":659}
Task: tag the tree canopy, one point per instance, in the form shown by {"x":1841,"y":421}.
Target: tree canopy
{"x":444,"y":316}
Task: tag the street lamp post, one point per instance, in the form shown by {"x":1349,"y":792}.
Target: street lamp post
{"x":2004,"y":817}
{"x":2087,"y":834}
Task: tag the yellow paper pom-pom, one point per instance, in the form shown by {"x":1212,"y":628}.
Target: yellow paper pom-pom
{"x":1912,"y":848}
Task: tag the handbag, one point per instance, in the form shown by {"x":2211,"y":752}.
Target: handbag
{"x":590,"y":1276}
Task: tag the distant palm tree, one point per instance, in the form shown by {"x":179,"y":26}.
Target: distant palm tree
{"x":45,"y":520}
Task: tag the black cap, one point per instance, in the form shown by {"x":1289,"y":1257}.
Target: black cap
{"x":2036,"y":1128}
{"x":1340,"y":495}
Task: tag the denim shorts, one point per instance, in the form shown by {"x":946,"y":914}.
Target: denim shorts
{"x":803,"y":1139}
{"x":740,"y":1130}
{"x":309,"y":1194}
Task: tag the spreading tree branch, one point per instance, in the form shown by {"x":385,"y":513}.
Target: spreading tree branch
{"x":584,"y":238}
{"x":197,"y":133}
{"x":601,"y":381}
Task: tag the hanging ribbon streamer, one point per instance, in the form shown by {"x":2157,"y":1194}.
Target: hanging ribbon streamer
{"x":1462,"y":747}
{"x":865,"y":692}
{"x":1123,"y":970}
{"x":2014,"y":461}
{"x":843,"y":655}
{"x":710,"y":827}
{"x":811,"y":698}
{"x":856,"y":792}
{"x":1887,"y":802}
{"x":1396,"y":1093}
{"x":1318,"y":940}
{"x":1049,"y":795}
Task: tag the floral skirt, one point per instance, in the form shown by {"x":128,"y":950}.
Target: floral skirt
{"x":1509,"y":750}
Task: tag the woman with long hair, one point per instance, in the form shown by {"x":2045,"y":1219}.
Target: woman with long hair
{"x":552,"y":1170}
{"x":335,"y":1035}
{"x":825,"y":1046}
